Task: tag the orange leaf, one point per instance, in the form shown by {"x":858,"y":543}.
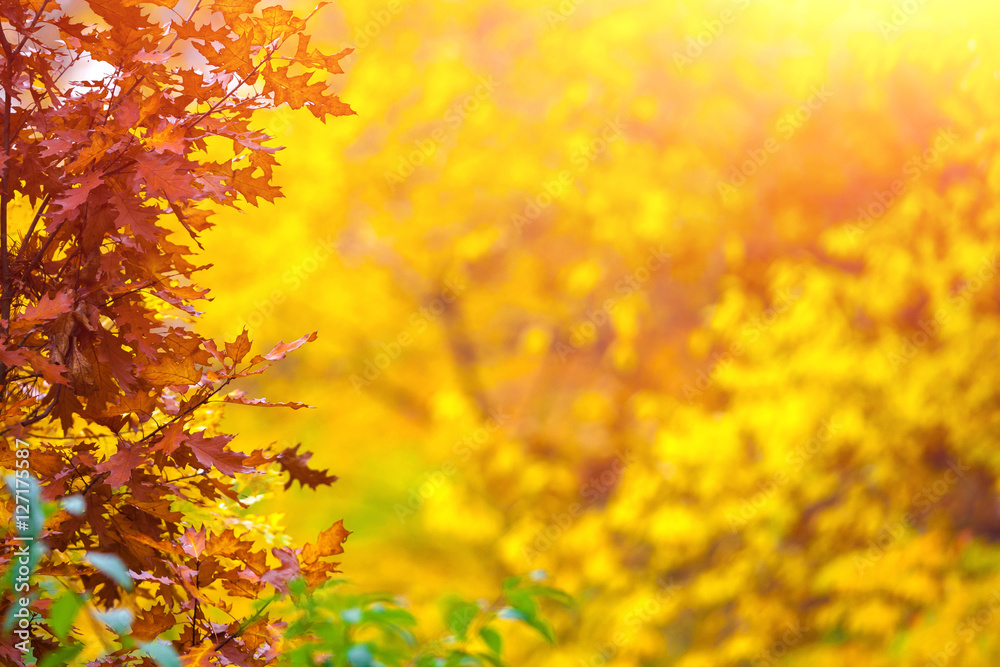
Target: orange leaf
{"x":47,"y":308}
{"x":282,"y":348}
{"x":239,"y":348}
{"x":173,"y":371}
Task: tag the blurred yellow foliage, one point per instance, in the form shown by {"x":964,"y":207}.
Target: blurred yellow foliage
{"x":693,"y":306}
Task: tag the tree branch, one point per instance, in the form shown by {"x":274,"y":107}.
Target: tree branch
{"x":31,"y":229}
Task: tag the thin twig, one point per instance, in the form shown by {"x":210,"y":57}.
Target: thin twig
{"x":245,"y":625}
{"x":31,"y":228}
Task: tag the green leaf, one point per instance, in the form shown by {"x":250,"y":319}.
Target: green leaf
{"x":510,"y":614}
{"x":559,"y":596}
{"x":63,"y":613}
{"x":297,"y":586}
{"x":392,"y":615}
{"x":112,"y":566}
{"x":61,"y":656}
{"x":492,"y":639}
{"x":524,"y":602}
{"x":162,"y":652}
{"x":118,"y":619}
{"x":460,"y":615}
{"x":542,"y":627}
{"x":511,"y":582}
{"x":492,"y":659}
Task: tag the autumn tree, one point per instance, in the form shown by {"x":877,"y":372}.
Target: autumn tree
{"x":124,"y":125}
